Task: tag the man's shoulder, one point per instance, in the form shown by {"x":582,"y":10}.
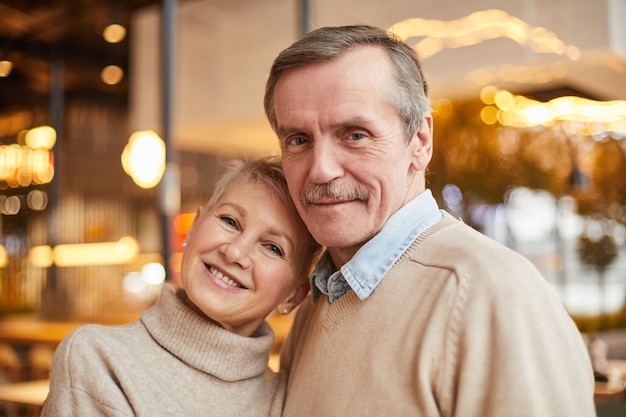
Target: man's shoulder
{"x":452,"y":250}
{"x":452,"y":241}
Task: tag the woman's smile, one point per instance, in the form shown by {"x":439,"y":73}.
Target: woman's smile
{"x":221,"y":278}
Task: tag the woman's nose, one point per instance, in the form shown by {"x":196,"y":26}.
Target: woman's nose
{"x":237,"y":251}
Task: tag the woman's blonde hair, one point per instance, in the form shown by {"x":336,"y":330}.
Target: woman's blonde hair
{"x":267,"y":171}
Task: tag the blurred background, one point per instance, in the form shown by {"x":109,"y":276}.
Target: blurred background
{"x":116,"y":118}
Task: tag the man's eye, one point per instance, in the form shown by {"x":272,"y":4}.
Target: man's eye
{"x":296,"y":140}
{"x":275,"y":249}
{"x":356,"y":136}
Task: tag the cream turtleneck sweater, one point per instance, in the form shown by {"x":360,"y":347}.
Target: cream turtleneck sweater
{"x":171,"y":362}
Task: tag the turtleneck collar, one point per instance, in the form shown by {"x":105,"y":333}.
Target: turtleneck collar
{"x":204,"y":345}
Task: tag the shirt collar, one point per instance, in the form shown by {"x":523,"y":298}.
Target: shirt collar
{"x":373,"y":260}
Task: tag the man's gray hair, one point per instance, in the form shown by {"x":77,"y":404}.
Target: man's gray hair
{"x":327,"y":43}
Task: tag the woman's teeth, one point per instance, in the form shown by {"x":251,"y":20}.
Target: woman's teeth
{"x":224,"y":278}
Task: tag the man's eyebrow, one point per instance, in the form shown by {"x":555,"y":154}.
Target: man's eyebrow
{"x":283,"y":131}
{"x":355,"y":121}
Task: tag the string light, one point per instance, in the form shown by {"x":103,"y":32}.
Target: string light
{"x":5,"y":68}
{"x":143,"y":158}
{"x":584,"y":116}
{"x":114,"y":33}
{"x":112,"y":74}
{"x":478,"y":27}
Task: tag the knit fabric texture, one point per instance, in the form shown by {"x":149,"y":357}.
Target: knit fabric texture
{"x":461,"y":326}
{"x":171,"y":362}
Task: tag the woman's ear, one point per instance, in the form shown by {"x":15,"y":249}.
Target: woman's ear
{"x":198,"y":213}
{"x":294,"y":300}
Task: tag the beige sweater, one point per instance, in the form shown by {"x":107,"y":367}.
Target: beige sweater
{"x":172,"y":362}
{"x":460,"y":326}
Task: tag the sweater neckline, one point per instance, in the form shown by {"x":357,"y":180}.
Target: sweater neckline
{"x":203,"y":344}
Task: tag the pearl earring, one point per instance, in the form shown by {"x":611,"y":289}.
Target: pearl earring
{"x":285,"y":310}
{"x":184,"y":244}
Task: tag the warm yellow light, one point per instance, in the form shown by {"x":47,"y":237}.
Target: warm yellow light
{"x":479,"y":27}
{"x":4,"y":258}
{"x":23,"y":166}
{"x":114,"y":33}
{"x":41,"y":256}
{"x":41,"y":137}
{"x":503,"y":99}
{"x":487,"y":94}
{"x":489,"y":115}
{"x":589,"y":116}
{"x":5,"y":68}
{"x":112,"y":74}
{"x":143,"y":158}
{"x":538,"y":114}
{"x":106,"y":253}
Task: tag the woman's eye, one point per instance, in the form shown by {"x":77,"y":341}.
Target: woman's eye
{"x":275,"y":249}
{"x":229,"y":221}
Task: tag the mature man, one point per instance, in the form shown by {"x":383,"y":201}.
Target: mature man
{"x":413,"y":313}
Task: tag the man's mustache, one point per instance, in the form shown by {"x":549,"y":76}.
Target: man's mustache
{"x":334,"y":191}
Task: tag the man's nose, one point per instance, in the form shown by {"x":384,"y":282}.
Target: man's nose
{"x":325,"y":163}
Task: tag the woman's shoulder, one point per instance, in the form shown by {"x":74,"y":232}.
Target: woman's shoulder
{"x":94,"y":338}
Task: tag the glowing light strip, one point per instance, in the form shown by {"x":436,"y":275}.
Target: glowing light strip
{"x":520,"y":111}
{"x":479,"y":27}
{"x":123,"y":251}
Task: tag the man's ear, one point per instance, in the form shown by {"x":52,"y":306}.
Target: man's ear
{"x":422,"y":143}
{"x":296,"y":297}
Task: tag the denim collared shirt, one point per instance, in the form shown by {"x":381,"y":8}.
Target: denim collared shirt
{"x":370,"y":264}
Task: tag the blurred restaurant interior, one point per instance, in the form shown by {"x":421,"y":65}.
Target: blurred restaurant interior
{"x":116,"y":118}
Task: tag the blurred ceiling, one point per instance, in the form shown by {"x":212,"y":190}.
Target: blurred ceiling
{"x":35,"y":33}
{"x":224,"y":50}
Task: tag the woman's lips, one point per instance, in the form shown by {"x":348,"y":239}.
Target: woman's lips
{"x":225,"y":279}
